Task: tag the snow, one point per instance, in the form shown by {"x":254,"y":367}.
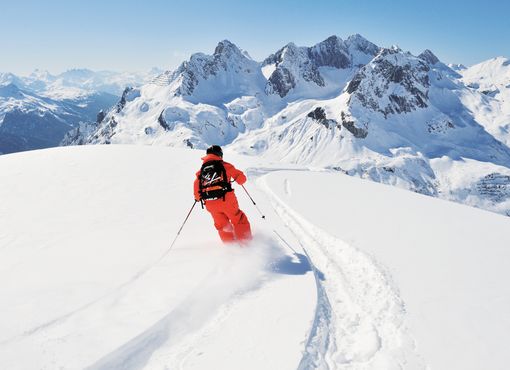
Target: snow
{"x":492,"y":107}
{"x":343,"y":273}
{"x":442,"y":266}
{"x":86,"y":283}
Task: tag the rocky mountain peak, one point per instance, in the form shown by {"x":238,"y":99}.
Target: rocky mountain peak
{"x":331,"y":52}
{"x":358,"y":42}
{"x":429,"y":57}
{"x":226,"y":57}
{"x":294,"y":64}
{"x":227,"y":49}
{"x":374,"y":86}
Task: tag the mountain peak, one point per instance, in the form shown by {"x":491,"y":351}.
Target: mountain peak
{"x":390,"y":68}
{"x":429,"y":57}
{"x":227,"y":49}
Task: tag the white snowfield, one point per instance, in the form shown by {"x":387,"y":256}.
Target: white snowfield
{"x":342,"y":274}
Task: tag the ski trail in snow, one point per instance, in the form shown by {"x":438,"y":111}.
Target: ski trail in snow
{"x":359,"y":321}
{"x":166,"y":342}
{"x":115,"y":290}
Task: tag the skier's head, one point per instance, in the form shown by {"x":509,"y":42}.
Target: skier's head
{"x":215,"y":149}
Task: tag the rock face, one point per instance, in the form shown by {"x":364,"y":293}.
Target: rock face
{"x":291,"y":63}
{"x":357,"y":132}
{"x":294,"y":63}
{"x":393,"y":83}
{"x":429,"y":57}
{"x":319,"y":115}
{"x":227,"y":61}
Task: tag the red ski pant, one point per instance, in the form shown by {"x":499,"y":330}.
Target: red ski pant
{"x":231,"y":223}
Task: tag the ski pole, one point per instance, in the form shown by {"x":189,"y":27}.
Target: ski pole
{"x":186,"y":219}
{"x":255,"y":204}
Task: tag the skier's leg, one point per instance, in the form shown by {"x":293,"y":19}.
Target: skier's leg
{"x":242,"y":228}
{"x":224,"y":227}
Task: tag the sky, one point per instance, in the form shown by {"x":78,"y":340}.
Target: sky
{"x":129,"y":35}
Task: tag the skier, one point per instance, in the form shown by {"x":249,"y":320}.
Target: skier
{"x":213,"y":188}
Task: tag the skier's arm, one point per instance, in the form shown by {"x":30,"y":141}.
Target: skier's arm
{"x":196,"y":190}
{"x":236,"y":174}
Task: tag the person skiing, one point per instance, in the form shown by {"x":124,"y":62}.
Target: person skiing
{"x":212,"y":187}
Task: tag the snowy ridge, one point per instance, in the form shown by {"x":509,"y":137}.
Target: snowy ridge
{"x":491,"y":102}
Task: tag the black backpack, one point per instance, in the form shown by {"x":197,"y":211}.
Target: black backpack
{"x":213,"y":181}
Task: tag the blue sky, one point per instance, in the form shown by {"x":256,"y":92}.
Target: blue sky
{"x":137,"y":35}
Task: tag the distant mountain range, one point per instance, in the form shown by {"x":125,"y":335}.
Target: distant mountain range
{"x":343,"y":105}
{"x":36,"y":111}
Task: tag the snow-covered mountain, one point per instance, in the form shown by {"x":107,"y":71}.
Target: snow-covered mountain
{"x":492,"y":108}
{"x":214,"y":98}
{"x":349,"y":105}
{"x":36,"y":111}
{"x":297,"y":70}
{"x":32,"y":121}
{"x":74,"y":83}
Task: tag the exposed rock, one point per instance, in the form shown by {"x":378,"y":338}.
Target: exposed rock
{"x":293,"y":63}
{"x":331,"y":52}
{"x":128,"y":94}
{"x":374,"y":85}
{"x":358,"y":132}
{"x":162,"y":121}
{"x":319,"y":115}
{"x":100,"y":116}
{"x":440,"y":126}
{"x":429,"y":57}
{"x":226,"y":57}
{"x":280,"y":82}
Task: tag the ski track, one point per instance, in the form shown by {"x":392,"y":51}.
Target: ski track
{"x":173,"y":338}
{"x":360,"y":319}
{"x":114,"y":291}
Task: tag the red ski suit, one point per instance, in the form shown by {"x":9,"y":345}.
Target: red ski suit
{"x":231,"y":223}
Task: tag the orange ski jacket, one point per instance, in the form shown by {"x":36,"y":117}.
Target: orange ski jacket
{"x":232,"y":174}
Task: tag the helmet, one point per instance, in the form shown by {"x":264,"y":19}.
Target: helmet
{"x":215,"y":149}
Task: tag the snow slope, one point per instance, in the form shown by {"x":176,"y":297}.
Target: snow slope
{"x":438,"y":267}
{"x":87,"y":282}
{"x":357,"y":275}
{"x":492,"y":107}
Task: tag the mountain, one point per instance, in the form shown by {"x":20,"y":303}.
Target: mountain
{"x":74,"y":83}
{"x":214,"y":98}
{"x":299,"y":68}
{"x":38,"y":110}
{"x":344,"y":105}
{"x":492,"y":107}
{"x":31,"y":121}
